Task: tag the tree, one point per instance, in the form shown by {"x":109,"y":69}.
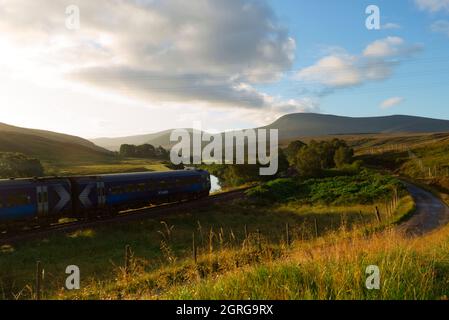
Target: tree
{"x":308,"y":162}
{"x":283,"y":163}
{"x":343,"y":156}
{"x":292,"y":151}
{"x":127,"y":150}
{"x":17,"y":165}
{"x":146,"y":151}
{"x":161,"y":153}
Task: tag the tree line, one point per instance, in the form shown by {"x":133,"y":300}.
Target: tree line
{"x":145,"y":151}
{"x":311,"y":160}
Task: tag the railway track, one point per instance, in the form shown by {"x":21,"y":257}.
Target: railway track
{"x":124,"y":216}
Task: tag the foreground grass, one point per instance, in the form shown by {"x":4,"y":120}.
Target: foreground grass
{"x":221,"y":261}
{"x":331,"y":266}
{"x":409,"y":269}
{"x":163,"y":241}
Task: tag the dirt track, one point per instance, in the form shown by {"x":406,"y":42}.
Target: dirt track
{"x":431,"y":212}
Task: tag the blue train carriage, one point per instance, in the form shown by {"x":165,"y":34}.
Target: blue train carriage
{"x":135,"y":190}
{"x":113,"y":192}
{"x":39,"y":199}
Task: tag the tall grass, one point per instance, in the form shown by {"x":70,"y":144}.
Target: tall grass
{"x":410,"y":269}
{"x":256,"y":267}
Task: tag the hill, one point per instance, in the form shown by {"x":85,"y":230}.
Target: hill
{"x":311,"y":124}
{"x":303,"y":125}
{"x":160,"y":138}
{"x":50,"y":146}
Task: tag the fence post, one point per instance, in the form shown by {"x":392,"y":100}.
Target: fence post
{"x":379,"y":219}
{"x":258,"y":239}
{"x":316,"y":227}
{"x":127,"y":259}
{"x":194,"y":248}
{"x":246,"y":232}
{"x":39,"y":276}
{"x":287,"y":231}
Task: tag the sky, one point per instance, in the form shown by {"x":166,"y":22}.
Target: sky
{"x":111,"y":68}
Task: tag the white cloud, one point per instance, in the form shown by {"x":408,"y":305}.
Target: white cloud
{"x":441,"y":26}
{"x":209,"y":51}
{"x":390,"y":26}
{"x":333,"y":71}
{"x":391,"y":102}
{"x":433,"y":5}
{"x":341,"y":69}
{"x":389,"y":47}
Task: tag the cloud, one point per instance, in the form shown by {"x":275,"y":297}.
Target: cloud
{"x":433,"y":5}
{"x":389,"y":47}
{"x":390,"y":26}
{"x":333,"y":71}
{"x":210,"y":51}
{"x":441,"y":26}
{"x":391,"y":102}
{"x":375,"y":63}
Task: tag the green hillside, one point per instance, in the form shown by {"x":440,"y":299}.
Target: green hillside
{"x":50,"y":146}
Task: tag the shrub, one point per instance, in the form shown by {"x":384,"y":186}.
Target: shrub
{"x":18,"y":165}
{"x":362,"y":188}
{"x":276,"y":190}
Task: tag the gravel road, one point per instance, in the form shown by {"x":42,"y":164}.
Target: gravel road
{"x":431,"y":212}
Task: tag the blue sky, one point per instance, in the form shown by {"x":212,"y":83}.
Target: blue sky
{"x":422,"y":80}
{"x":228,"y":64}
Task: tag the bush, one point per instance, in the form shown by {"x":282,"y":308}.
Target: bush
{"x":362,"y":188}
{"x":276,"y":190}
{"x":17,"y":165}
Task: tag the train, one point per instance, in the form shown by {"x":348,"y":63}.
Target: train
{"x":47,"y":200}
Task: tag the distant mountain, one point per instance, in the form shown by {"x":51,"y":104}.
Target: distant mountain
{"x":309,"y":125}
{"x":50,"y":146}
{"x":157,"y":139}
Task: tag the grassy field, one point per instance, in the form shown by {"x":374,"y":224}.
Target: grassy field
{"x":332,"y":268}
{"x":231,"y":253}
{"x":164,"y":244}
{"x":116,"y":166}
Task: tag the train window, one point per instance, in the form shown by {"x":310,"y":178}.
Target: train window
{"x":116,"y":190}
{"x":18,"y":200}
{"x":130,"y":188}
{"x":141,"y":187}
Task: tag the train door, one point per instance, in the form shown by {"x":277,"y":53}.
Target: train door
{"x":101,"y":192}
{"x":42,"y":200}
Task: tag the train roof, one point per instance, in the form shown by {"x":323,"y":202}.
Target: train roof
{"x":142,"y":175}
{"x":31,"y":181}
{"x":155,"y":175}
{"x":113,"y":176}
